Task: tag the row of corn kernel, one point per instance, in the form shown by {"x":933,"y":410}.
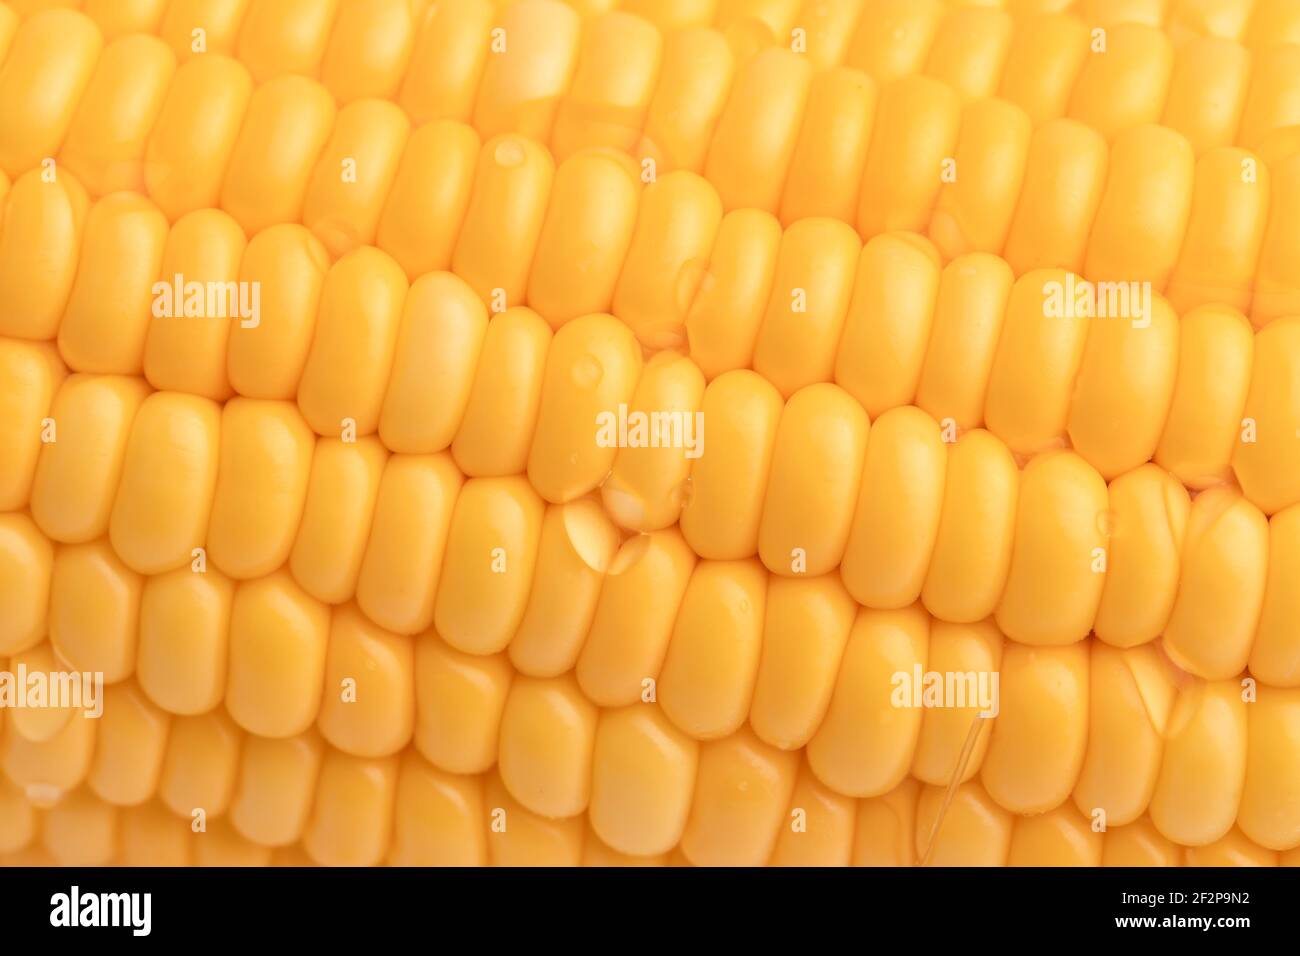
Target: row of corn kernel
{"x":745,"y":805}
{"x":724,"y":647}
{"x":819,"y":168}
{"x":614,"y":78}
{"x":801,"y":306}
{"x":807,"y":484}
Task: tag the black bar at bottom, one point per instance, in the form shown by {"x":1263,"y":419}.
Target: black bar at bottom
{"x":609,"y":908}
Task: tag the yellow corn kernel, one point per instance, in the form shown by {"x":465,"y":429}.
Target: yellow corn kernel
{"x":351,"y":817}
{"x":105,"y":145}
{"x":884,"y":833}
{"x":94,"y":609}
{"x":864,"y":746}
{"x":437,"y":352}
{"x":1059,"y":838}
{"x":667,"y":15}
{"x":368,"y":49}
{"x":1124,"y":79}
{"x":818,"y":829}
{"x":1273,"y":21}
{"x":1224,"y":233}
{"x":342,"y":490}
{"x":278,"y":641}
{"x":968,"y":313}
{"x":585,"y":236}
{"x":776,"y":15}
{"x":54,"y":56}
{"x":129,"y":747}
{"x":194,"y":138}
{"x":48,"y":770}
{"x":805,"y":629}
{"x":9,"y":21}
{"x":1225,"y":19}
{"x":500,"y":417}
{"x":915,"y":134}
{"x":201,"y":764}
{"x":755,"y":138}
{"x":26,"y":564}
{"x":285,"y":36}
{"x":708,"y":674}
{"x":287,"y":264}
{"x":1039,"y":353}
{"x":1065,"y":176}
{"x":591,"y":370}
{"x":606,"y":105}
{"x":491,"y":553}
{"x":519,"y":837}
{"x":429,"y":195}
{"x":116,"y":17}
{"x":1125,"y":383}
{"x":1275,"y":652}
{"x":694,"y":80}
{"x":1058,"y":559}
{"x":154,"y":836}
{"x":1268,"y":812}
{"x":1147,"y":522}
{"x":742,"y":789}
{"x":1203,"y":770}
{"x":648,"y":482}
{"x":974,"y":210}
{"x":41,"y":723}
{"x":459,"y":699}
{"x":817,"y":458}
{"x":1207,"y":92}
{"x":576,"y":547}
{"x":169,"y":475}
{"x":408,"y":535}
{"x":961,"y":649}
{"x":222,"y":846}
{"x":1221,"y":585}
{"x":368,"y":706}
{"x":974,"y":830}
{"x":503,"y":221}
{"x":184,"y":639}
{"x":19,"y":822}
{"x":548,"y":734}
{"x":277,"y":781}
{"x":1039,"y":740}
{"x":666,"y":264}
{"x":437,"y":817}
{"x":1216,"y":353}
{"x":643,"y":780}
{"x":831,"y":150}
{"x":185,"y":348}
{"x":805,"y":313}
{"x":1131,"y":693}
{"x":40,"y":239}
{"x":1274,"y":98}
{"x":896,"y":519}
{"x":1144,"y":213}
{"x":1047,"y":53}
{"x":1139,"y":844}
{"x":109,"y":308}
{"x":721,"y":513}
{"x":342,"y":385}
{"x":971,"y":555}
{"x":284,"y":132}
{"x":32,"y":375}
{"x":533,"y":53}
{"x":352,"y":178}
{"x":81,"y":830}
{"x":1234,"y":849}
{"x":724,"y":316}
{"x":633,"y":622}
{"x":217,"y":19}
{"x":888,"y":324}
{"x":1266,"y":460}
{"x":447,"y":62}
{"x":970,"y":49}
{"x":1277,"y":291}
{"x":893,"y":37}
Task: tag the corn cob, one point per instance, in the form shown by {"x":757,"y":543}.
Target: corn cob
{"x":1219,"y":218}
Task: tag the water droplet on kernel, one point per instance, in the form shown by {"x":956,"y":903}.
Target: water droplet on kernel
{"x":587,"y":372}
{"x":509,"y":153}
